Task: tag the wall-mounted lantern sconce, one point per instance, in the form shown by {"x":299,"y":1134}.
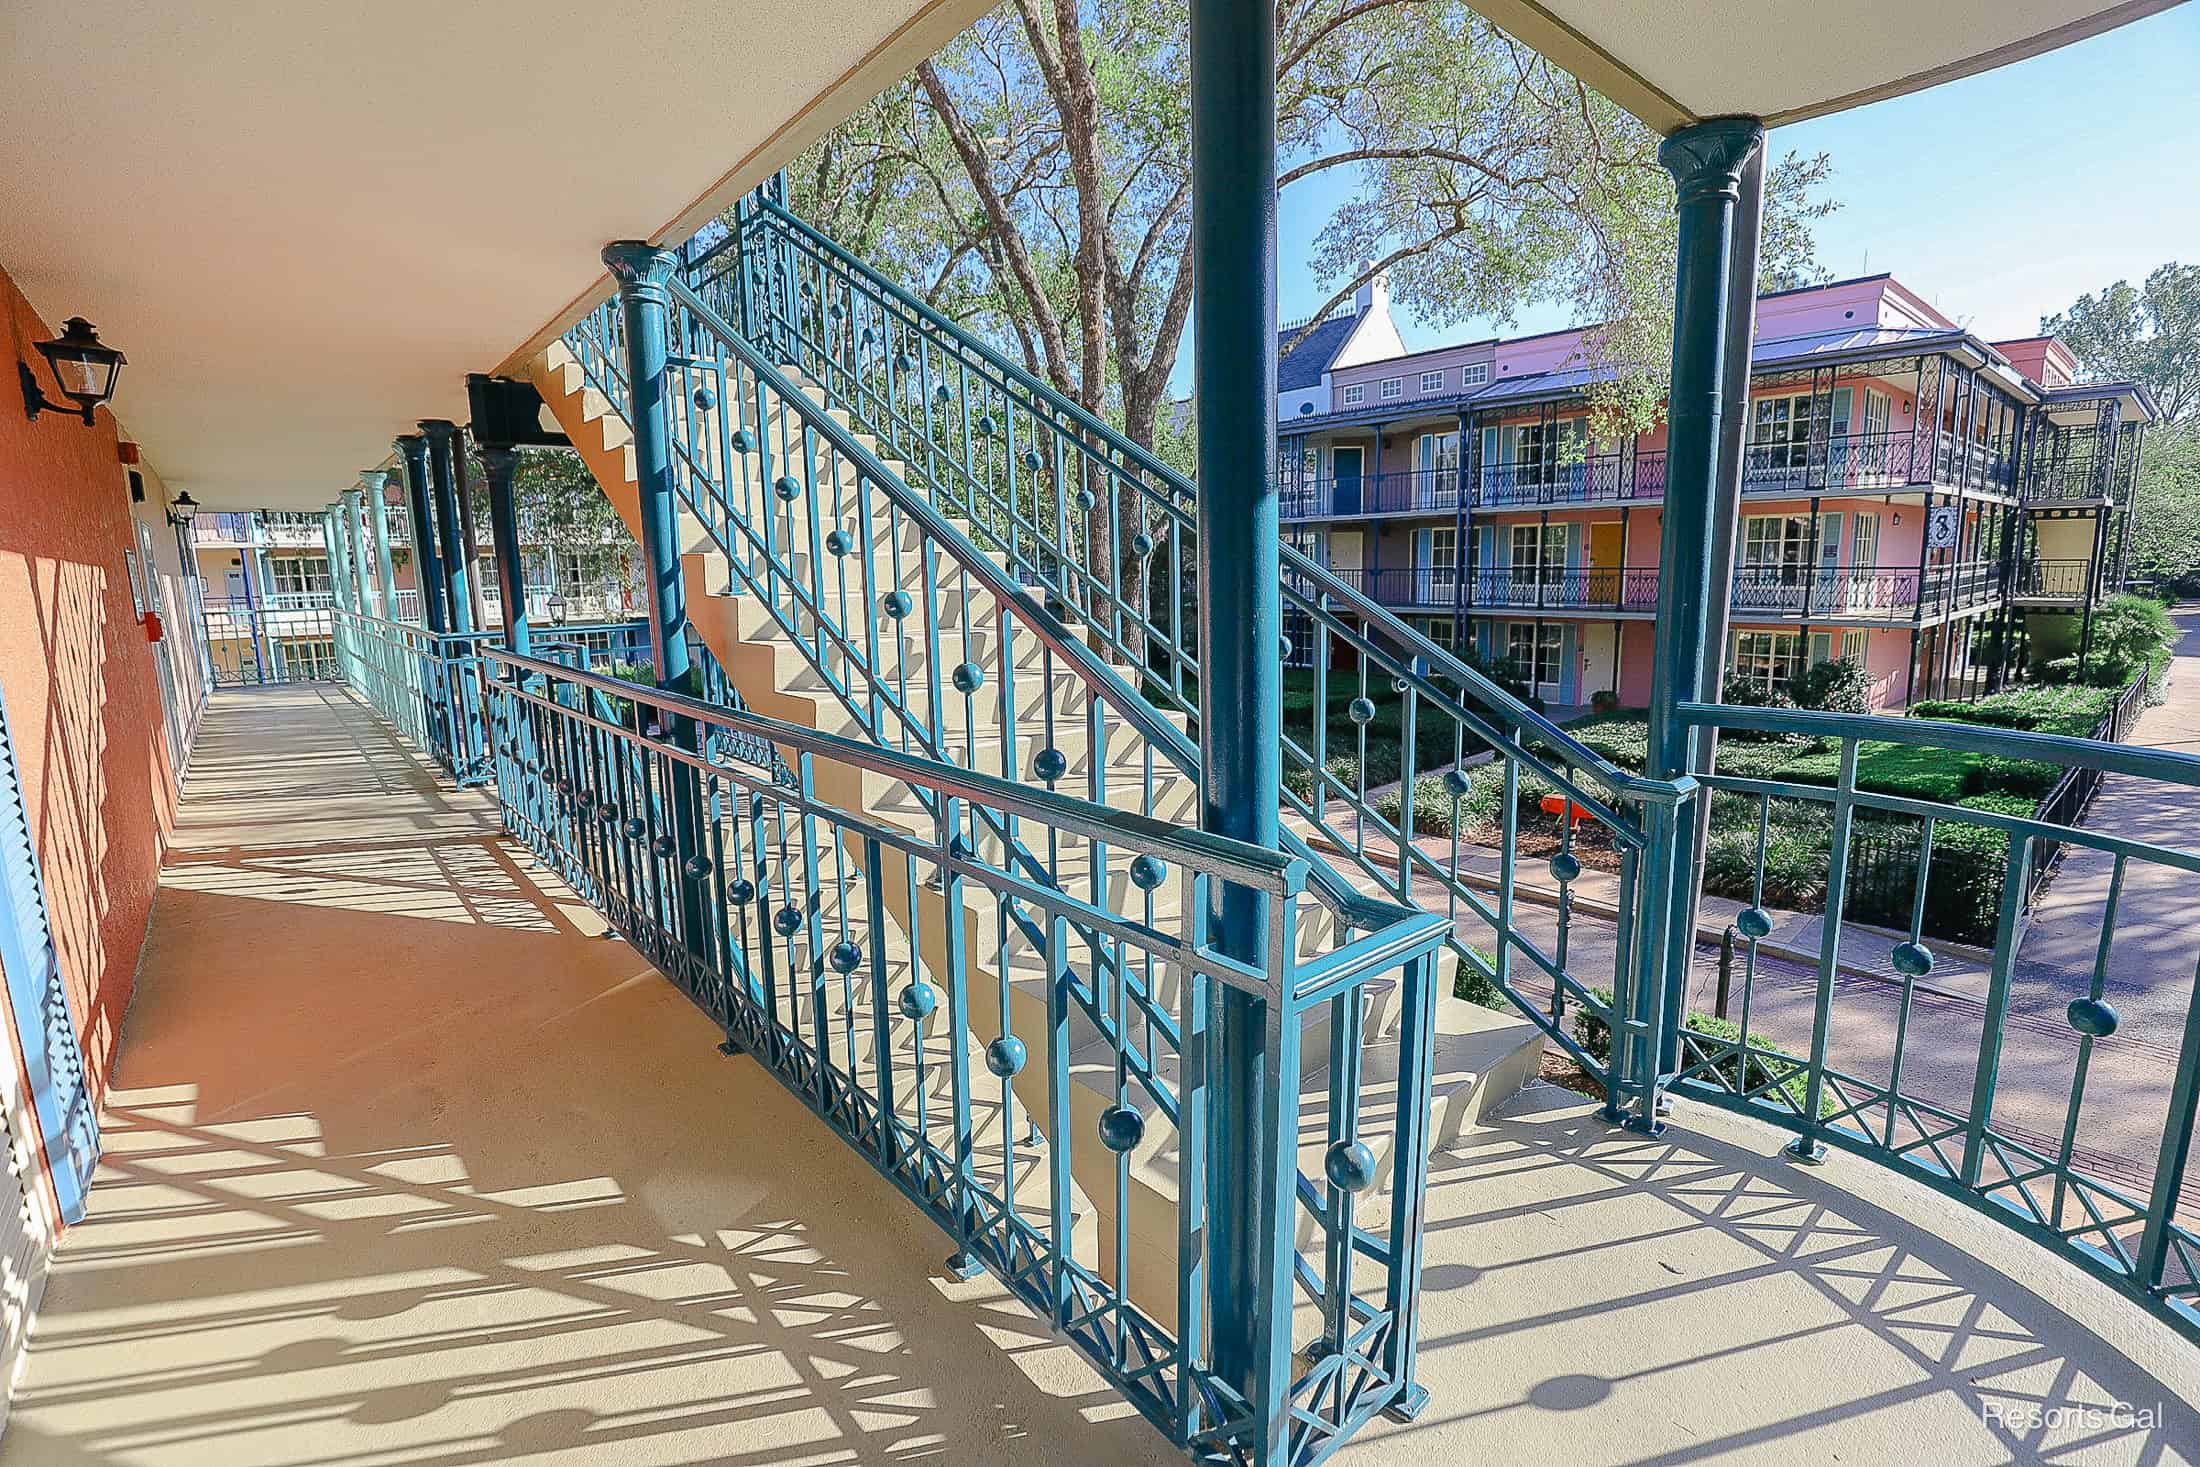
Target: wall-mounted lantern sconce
{"x":84,"y":367}
{"x":181,"y":512}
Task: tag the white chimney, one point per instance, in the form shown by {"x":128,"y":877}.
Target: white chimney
{"x":1373,"y":294}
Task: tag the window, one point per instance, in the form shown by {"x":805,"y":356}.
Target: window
{"x":1780,"y":431}
{"x":1442,"y":549}
{"x":1864,"y":544}
{"x":300,"y":575}
{"x":1355,"y":393}
{"x":1534,"y":651}
{"x":1436,"y":455}
{"x":1393,"y":387}
{"x":1767,"y":661}
{"x":307,"y":659}
{"x":1538,"y":553}
{"x":1474,"y":374}
{"x":1432,"y":381}
{"x":1438,"y":629}
{"x":1852,"y":648}
{"x":1775,"y":544}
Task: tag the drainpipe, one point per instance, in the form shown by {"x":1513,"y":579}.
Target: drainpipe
{"x":1711,"y":168}
{"x":644,"y":272}
{"x":412,"y":451}
{"x":458,"y":604}
{"x":500,"y":465}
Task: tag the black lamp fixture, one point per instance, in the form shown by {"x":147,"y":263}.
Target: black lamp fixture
{"x":183,"y":510}
{"x":84,"y":368}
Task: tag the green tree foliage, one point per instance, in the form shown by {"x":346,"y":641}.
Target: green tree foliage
{"x":2148,"y":334}
{"x":564,"y":517}
{"x":2165,"y":509}
{"x":1033,"y":180}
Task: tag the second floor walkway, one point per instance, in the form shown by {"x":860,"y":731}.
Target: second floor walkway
{"x":1790,"y":592}
{"x":445,"y":1177}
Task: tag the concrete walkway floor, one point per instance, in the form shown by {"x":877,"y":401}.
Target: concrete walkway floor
{"x":408,"y":1166}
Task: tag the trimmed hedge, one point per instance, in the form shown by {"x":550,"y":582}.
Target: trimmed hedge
{"x":1595,"y":1036}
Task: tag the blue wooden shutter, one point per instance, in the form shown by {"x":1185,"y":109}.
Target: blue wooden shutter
{"x":59,"y":1090}
{"x":1569,"y":664}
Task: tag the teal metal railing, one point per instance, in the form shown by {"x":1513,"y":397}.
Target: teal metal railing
{"x":1070,"y":506}
{"x":1067,"y":504}
{"x":800,"y":947}
{"x":2038,"y":1145}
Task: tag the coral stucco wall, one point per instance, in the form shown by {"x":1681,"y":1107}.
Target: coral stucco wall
{"x":83,"y":699}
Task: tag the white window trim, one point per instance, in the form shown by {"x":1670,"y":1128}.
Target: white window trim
{"x":1432,"y":381}
{"x":1392,"y":387}
{"x":1474,"y":374}
{"x":1355,"y":393}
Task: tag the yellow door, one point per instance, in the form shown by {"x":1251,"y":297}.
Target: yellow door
{"x":1604,"y":545}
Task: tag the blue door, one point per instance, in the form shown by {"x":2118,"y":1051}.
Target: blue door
{"x":59,"y":1089}
{"x":1345,"y":467}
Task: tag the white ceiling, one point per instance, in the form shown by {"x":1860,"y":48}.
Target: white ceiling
{"x":306,"y":220}
{"x":1673,"y":62}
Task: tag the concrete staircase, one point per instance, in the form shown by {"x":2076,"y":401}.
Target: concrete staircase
{"x":1482,"y":1056}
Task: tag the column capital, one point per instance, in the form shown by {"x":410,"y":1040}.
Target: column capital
{"x":373,"y":481}
{"x":1708,"y":159}
{"x":413,"y":448}
{"x":438,"y":429}
{"x":499,"y":459}
{"x":641,"y":268}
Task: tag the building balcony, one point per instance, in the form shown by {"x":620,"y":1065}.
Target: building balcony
{"x":2052,"y":580}
{"x":1834,"y":593}
{"x":1849,"y":464}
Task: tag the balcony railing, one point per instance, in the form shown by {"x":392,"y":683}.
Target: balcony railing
{"x":2088,"y":463}
{"x":1614,"y":588}
{"x":1832,"y":592}
{"x":2052,"y":580}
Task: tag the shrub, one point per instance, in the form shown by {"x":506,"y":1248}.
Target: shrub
{"x":1432,"y":806}
{"x":2071,"y":708}
{"x":1473,"y":983}
{"x":1839,"y":686}
{"x":1604,"y":700}
{"x":1734,"y":1073}
{"x":2130,"y":633}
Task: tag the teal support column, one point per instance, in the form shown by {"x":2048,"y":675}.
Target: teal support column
{"x":332,"y":541}
{"x":412,"y":451}
{"x":362,"y":566}
{"x":643,"y":273}
{"x":500,"y":465}
{"x":456,"y":555}
{"x":1252,"y":1087}
{"x":1709,"y":163}
{"x":375,"y":484}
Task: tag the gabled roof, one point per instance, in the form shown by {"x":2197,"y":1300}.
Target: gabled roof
{"x":1307,"y":361}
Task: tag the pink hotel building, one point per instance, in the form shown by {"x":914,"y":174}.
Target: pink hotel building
{"x":1907,"y":488}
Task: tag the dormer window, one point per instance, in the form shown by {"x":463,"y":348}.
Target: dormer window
{"x":1393,"y":387}
{"x":1355,"y":393}
{"x":1474,"y":374}
{"x":1432,"y":381}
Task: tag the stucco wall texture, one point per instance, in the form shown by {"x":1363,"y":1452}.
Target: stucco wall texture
{"x":83,"y":701}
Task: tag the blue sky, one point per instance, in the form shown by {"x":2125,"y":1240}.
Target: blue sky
{"x":2000,"y":197}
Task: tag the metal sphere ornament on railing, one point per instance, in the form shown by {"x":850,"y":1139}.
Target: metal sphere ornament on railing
{"x":1121,"y":1128}
{"x":1754,"y":923}
{"x":1457,"y":784}
{"x":1147,"y":872}
{"x":917,"y":1001}
{"x":636,"y":827}
{"x":786,"y":488}
{"x":1005,"y":1056}
{"x":1283,"y":648}
{"x":2093,"y":1017}
{"x":967,"y":678}
{"x":740,"y":891}
{"x":1032,"y":461}
{"x":1350,"y":1166}
{"x":787,"y":921}
{"x":697,"y":868}
{"x":839,"y":542}
{"x":607,"y":812}
{"x":896,"y":604}
{"x":986,"y":427}
{"x":1141,"y":544}
{"x":845,"y":958}
{"x":705,"y":399}
{"x":1050,"y":765}
{"x":664,"y":847}
{"x":1565,"y":867}
{"x":1912,"y":959}
{"x":741,"y":441}
{"x":1361,"y":711}
{"x":1085,"y":499}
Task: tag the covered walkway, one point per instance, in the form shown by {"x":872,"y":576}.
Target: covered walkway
{"x":407,"y":1164}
